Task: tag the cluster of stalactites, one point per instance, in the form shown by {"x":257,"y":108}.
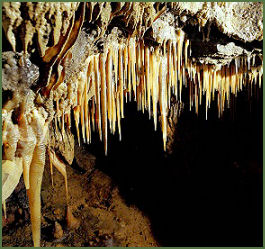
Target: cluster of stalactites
{"x":227,"y":80}
{"x":149,"y":76}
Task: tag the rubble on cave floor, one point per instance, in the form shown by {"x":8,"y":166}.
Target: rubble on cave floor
{"x":104,"y":219}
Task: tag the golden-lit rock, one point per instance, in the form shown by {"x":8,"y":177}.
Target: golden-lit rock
{"x":72,"y":222}
{"x":87,"y":60}
{"x":58,"y":231}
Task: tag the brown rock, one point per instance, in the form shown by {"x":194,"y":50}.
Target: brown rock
{"x":72,"y":222}
{"x":57,"y":211}
{"x":58,"y":231}
{"x":4,"y":221}
{"x":20,"y":211}
{"x":60,"y":245}
{"x":11,"y":218}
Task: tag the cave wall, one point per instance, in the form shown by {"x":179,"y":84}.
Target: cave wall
{"x":71,"y":65}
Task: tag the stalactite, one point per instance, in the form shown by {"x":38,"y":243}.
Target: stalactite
{"x":121,"y":83}
{"x":149,"y":75}
{"x":102,"y":60}
{"x":109,"y":85}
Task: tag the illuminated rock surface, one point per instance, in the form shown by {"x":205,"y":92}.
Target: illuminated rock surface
{"x":76,"y":65}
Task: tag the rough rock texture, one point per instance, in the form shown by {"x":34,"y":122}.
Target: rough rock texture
{"x":242,"y":21}
{"x":49,"y":22}
{"x":18,"y":71}
{"x":67,"y":64}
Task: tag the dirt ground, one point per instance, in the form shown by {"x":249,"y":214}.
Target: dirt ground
{"x":101,"y":216}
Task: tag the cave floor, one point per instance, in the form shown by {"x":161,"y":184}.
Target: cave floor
{"x":103,"y":217}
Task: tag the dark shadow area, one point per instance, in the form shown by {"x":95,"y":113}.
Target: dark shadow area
{"x":215,"y":37}
{"x":208,"y":192}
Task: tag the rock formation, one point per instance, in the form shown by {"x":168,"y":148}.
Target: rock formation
{"x":66,"y":63}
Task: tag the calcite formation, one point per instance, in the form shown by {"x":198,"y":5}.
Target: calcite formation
{"x":81,"y":62}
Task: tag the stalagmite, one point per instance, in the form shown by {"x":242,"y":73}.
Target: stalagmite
{"x":152,"y":73}
{"x":72,"y":222}
{"x":27,"y":144}
{"x":36,"y":172}
{"x":60,"y":167}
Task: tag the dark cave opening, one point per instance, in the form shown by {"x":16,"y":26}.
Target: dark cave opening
{"x":208,"y":192}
